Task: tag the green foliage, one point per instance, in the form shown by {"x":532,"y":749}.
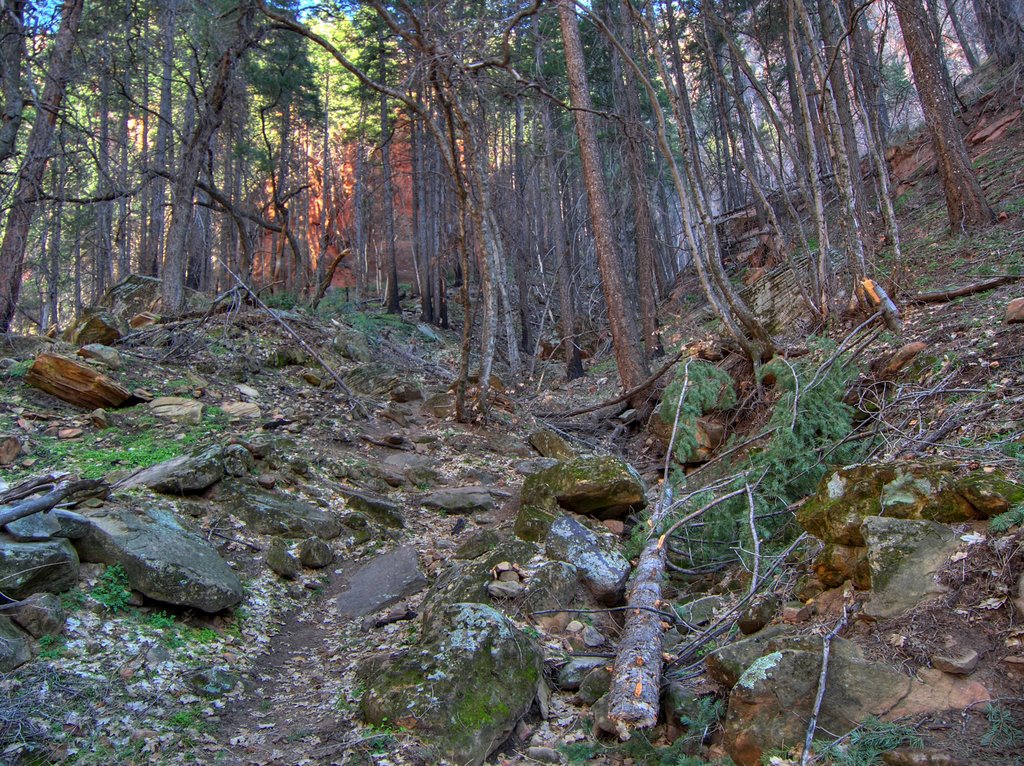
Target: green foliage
{"x":1002,"y":731}
{"x":161,"y":621}
{"x":1012,"y":518}
{"x":189,"y":718}
{"x":72,"y":600}
{"x":51,"y":647}
{"x":19,"y":369}
{"x":707,"y":388}
{"x":283,"y":301}
{"x":865,"y":745}
{"x":112,"y":589}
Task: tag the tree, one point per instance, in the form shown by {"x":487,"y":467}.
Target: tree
{"x":966,"y":205}
{"x":626,"y":339}
{"x":1002,"y":24}
{"x":37,"y":154}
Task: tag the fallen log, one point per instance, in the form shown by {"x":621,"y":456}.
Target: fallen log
{"x":31,"y":505}
{"x":942,"y":296}
{"x":76,"y":383}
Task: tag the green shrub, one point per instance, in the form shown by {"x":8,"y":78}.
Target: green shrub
{"x":1012,"y":518}
{"x":865,"y":745}
{"x":112,"y":589}
{"x":707,"y":388}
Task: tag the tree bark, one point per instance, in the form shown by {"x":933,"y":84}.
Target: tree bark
{"x":626,"y":339}
{"x":37,"y":154}
{"x":966,"y":205}
{"x":12,"y":52}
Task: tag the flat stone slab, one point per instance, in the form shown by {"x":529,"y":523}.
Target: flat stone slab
{"x":381,"y":582}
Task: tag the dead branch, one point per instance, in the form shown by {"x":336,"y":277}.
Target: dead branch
{"x":941,"y":296}
{"x":826,"y":646}
{"x":60,"y":491}
{"x":621,"y":397}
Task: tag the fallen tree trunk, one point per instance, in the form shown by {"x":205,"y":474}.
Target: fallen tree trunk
{"x":942,"y":296}
{"x":76,"y":383}
{"x":635,"y":694}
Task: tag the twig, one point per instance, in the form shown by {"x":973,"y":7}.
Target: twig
{"x":757,"y":541}
{"x":826,"y":646}
{"x":27,"y":507}
{"x":941,"y":296}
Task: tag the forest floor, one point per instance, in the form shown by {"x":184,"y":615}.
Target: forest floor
{"x":116,"y":688}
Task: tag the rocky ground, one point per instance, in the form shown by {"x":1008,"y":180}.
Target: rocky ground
{"x":278,"y":572}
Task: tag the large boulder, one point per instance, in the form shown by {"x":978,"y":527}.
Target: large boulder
{"x":276,"y":513}
{"x":466,"y":580}
{"x":96,"y":326}
{"x":460,"y":501}
{"x":596,"y":557}
{"x":601,"y":486}
{"x":382,"y":581}
{"x":183,"y":475}
{"x":904,"y":557}
{"x":772,"y":698}
{"x":163,"y":560}
{"x":378,"y":508}
{"x":895,"y":490}
{"x":132,"y":295}
{"x":48,"y":566}
{"x":15,"y":649}
{"x":462,"y":688}
{"x":41,"y":614}
{"x":352,"y":344}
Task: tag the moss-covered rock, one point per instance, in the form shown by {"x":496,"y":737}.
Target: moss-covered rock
{"x":896,"y":490}
{"x":601,"y":486}
{"x":990,"y":492}
{"x":549,"y":444}
{"x":838,"y":563}
{"x":462,"y":688}
{"x":276,"y":513}
{"x":600,"y":565}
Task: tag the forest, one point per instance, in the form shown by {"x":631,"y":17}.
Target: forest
{"x":386,"y":149}
{"x":625,"y":382}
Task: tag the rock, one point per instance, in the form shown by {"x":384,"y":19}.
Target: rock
{"x":680,"y":704}
{"x":406,"y":392}
{"x":838,"y":563}
{"x":960,"y":665}
{"x":177,"y":408}
{"x":440,"y":405}
{"x":479,"y":543}
{"x":163,"y":560}
{"x":376,"y":507}
{"x":594,"y":685}
{"x":238,"y":461}
{"x":213,"y":682}
{"x":600,"y":566}
{"x":462,"y":687}
{"x":990,"y":492}
{"x":157,"y":655}
{"x":772,"y":699}
{"x":460,"y":500}
{"x":15,"y":649}
{"x":552,"y":586}
{"x":38,"y":526}
{"x":467,"y":581}
{"x":758,"y":614}
{"x":183,"y":475}
{"x":76,"y":383}
{"x":533,"y":465}
{"x":355,"y":529}
{"x":276,"y":513}
{"x":707,"y":436}
{"x":132,"y":295}
{"x":96,"y":326}
{"x":501,"y":589}
{"x":382,"y":581}
{"x":50,"y":566}
{"x":99,"y":418}
{"x":352,"y":345}
{"x":241,"y":410}
{"x":891,"y":364}
{"x":376,"y":380}
{"x":109,"y":356}
{"x":592,"y":637}
{"x":315,"y":553}
{"x":543,"y":754}
{"x":796,"y":611}
{"x":10,"y":448}
{"x":551,"y":445}
{"x":281,"y":561}
{"x":1015,"y":311}
{"x":894,"y":490}
{"x":570,"y":676}
{"x":904,"y":557}
{"x":287,"y":356}
{"x":700,"y":611}
{"x":913,"y":756}
{"x":603,"y":487}
{"x":41,"y":614}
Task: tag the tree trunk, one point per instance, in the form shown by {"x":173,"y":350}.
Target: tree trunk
{"x":625,"y":334}
{"x":193,"y":156}
{"x":37,"y":153}
{"x":12,"y":52}
{"x":966,"y":205}
{"x":1002,"y":22}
